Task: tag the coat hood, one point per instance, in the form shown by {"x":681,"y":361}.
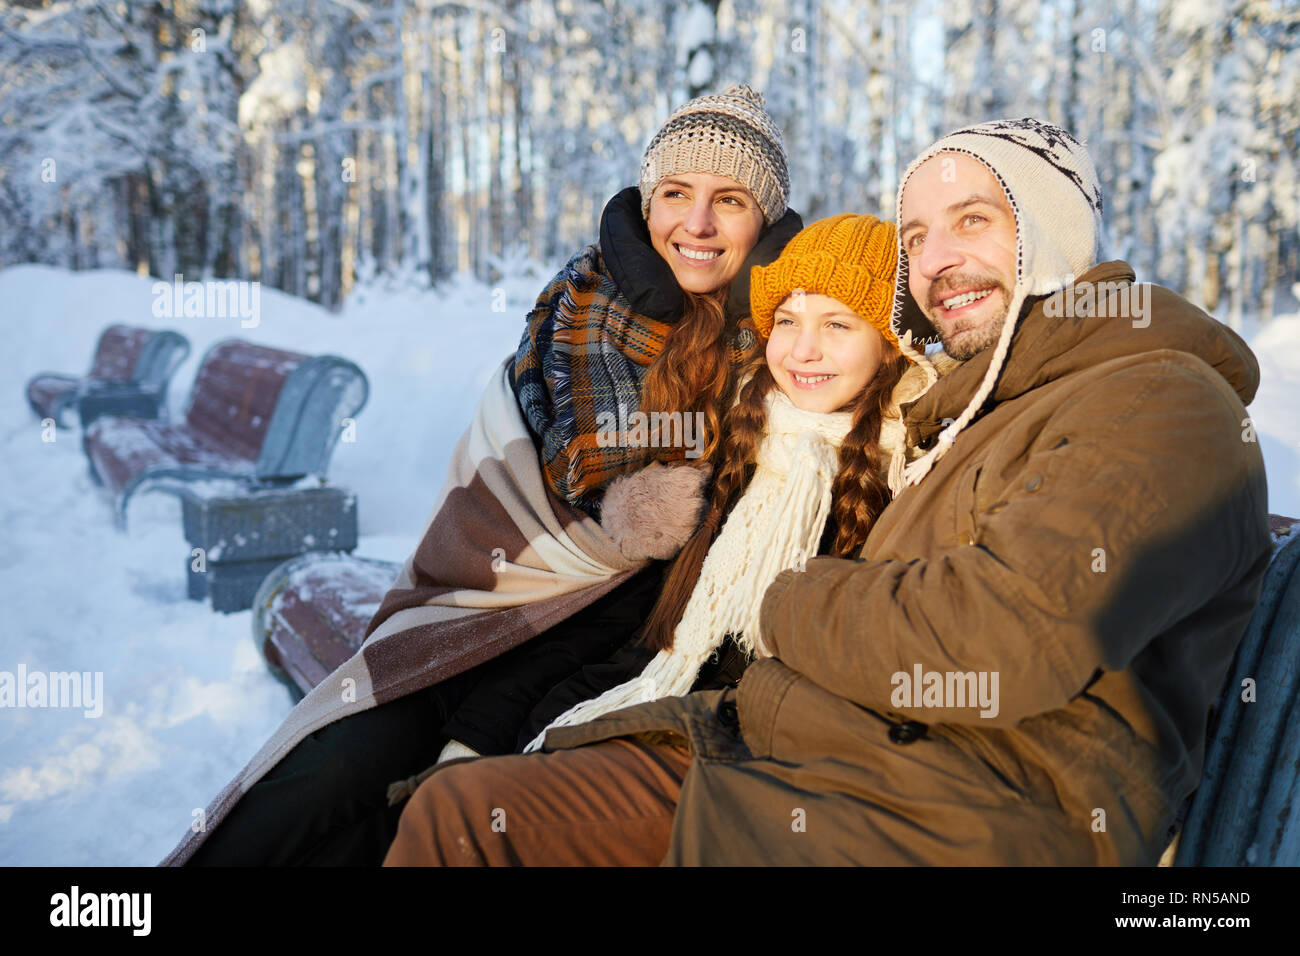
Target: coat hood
{"x":1070,"y":330}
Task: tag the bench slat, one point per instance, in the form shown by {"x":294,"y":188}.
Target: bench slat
{"x":1242,"y":768}
{"x":311,"y":612}
{"x":235,"y":395}
{"x":116,"y":354}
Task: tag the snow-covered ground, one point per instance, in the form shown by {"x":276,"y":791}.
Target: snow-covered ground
{"x":1275,"y":412}
{"x":186,"y":698}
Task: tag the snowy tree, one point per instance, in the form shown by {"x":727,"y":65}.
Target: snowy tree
{"x":309,"y":143}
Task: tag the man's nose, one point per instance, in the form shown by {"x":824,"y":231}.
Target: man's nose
{"x":699,"y":222}
{"x":938,"y":253}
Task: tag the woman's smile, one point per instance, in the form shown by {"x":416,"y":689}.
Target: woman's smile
{"x":697,"y":255}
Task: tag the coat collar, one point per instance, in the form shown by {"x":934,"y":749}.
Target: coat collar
{"x":1049,"y":345}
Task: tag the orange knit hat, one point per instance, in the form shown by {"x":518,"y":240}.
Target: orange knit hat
{"x":850,"y":258}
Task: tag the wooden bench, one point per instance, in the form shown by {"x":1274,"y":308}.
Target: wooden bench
{"x":129,"y":375}
{"x":310,"y":613}
{"x":1246,"y":811}
{"x":257,"y":418}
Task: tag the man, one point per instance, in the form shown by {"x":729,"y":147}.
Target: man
{"x":1019,"y":667}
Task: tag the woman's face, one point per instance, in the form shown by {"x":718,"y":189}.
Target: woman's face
{"x":703,"y":226}
{"x":821,"y":352}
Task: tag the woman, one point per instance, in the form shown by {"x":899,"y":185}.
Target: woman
{"x":815,"y":431}
{"x":649,"y":319}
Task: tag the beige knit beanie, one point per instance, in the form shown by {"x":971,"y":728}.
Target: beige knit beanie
{"x":1053,"y":190}
{"x":726,"y":134}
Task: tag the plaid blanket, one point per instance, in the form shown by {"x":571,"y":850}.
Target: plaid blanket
{"x":501,"y":560}
{"x":583,"y":354}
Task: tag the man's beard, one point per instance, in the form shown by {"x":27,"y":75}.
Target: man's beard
{"x":964,"y":342}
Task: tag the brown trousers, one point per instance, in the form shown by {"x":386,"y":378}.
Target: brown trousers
{"x":610,"y":804}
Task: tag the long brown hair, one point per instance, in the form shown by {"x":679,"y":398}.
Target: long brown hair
{"x":859,"y":492}
{"x":692,"y":372}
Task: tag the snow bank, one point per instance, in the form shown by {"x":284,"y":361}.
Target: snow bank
{"x":187,"y":699}
{"x":1275,"y":412}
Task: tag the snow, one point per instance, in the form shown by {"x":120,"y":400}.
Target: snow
{"x":187,"y":699}
{"x":1275,"y":412}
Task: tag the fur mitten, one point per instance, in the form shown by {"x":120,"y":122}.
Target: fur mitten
{"x":651,"y":513}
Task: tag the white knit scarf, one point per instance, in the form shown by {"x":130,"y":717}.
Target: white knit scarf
{"x":776,"y":524}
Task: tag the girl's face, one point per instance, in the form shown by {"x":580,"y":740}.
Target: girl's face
{"x":821,"y":352}
{"x":704,"y":226}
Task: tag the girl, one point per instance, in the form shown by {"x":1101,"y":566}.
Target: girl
{"x":816,"y":421}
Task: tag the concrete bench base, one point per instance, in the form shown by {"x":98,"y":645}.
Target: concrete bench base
{"x":241,"y":537}
{"x":128,"y":399}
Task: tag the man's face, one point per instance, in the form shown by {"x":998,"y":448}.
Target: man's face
{"x":959,"y":236}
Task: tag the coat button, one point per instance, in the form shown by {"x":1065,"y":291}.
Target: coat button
{"x":908,"y":732}
{"x":965,"y":538}
{"x":727,"y":713}
{"x":1033,"y":482}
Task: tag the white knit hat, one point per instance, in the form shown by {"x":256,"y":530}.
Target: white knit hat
{"x":727,"y":134}
{"x":1052,"y":187}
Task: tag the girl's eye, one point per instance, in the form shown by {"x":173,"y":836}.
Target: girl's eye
{"x":733,"y":200}
{"x":670,"y":193}
{"x":785,"y":320}
{"x":837,"y":325}
{"x":973,"y":216}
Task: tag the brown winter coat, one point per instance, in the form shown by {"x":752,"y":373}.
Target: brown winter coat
{"x":1097,"y":537}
